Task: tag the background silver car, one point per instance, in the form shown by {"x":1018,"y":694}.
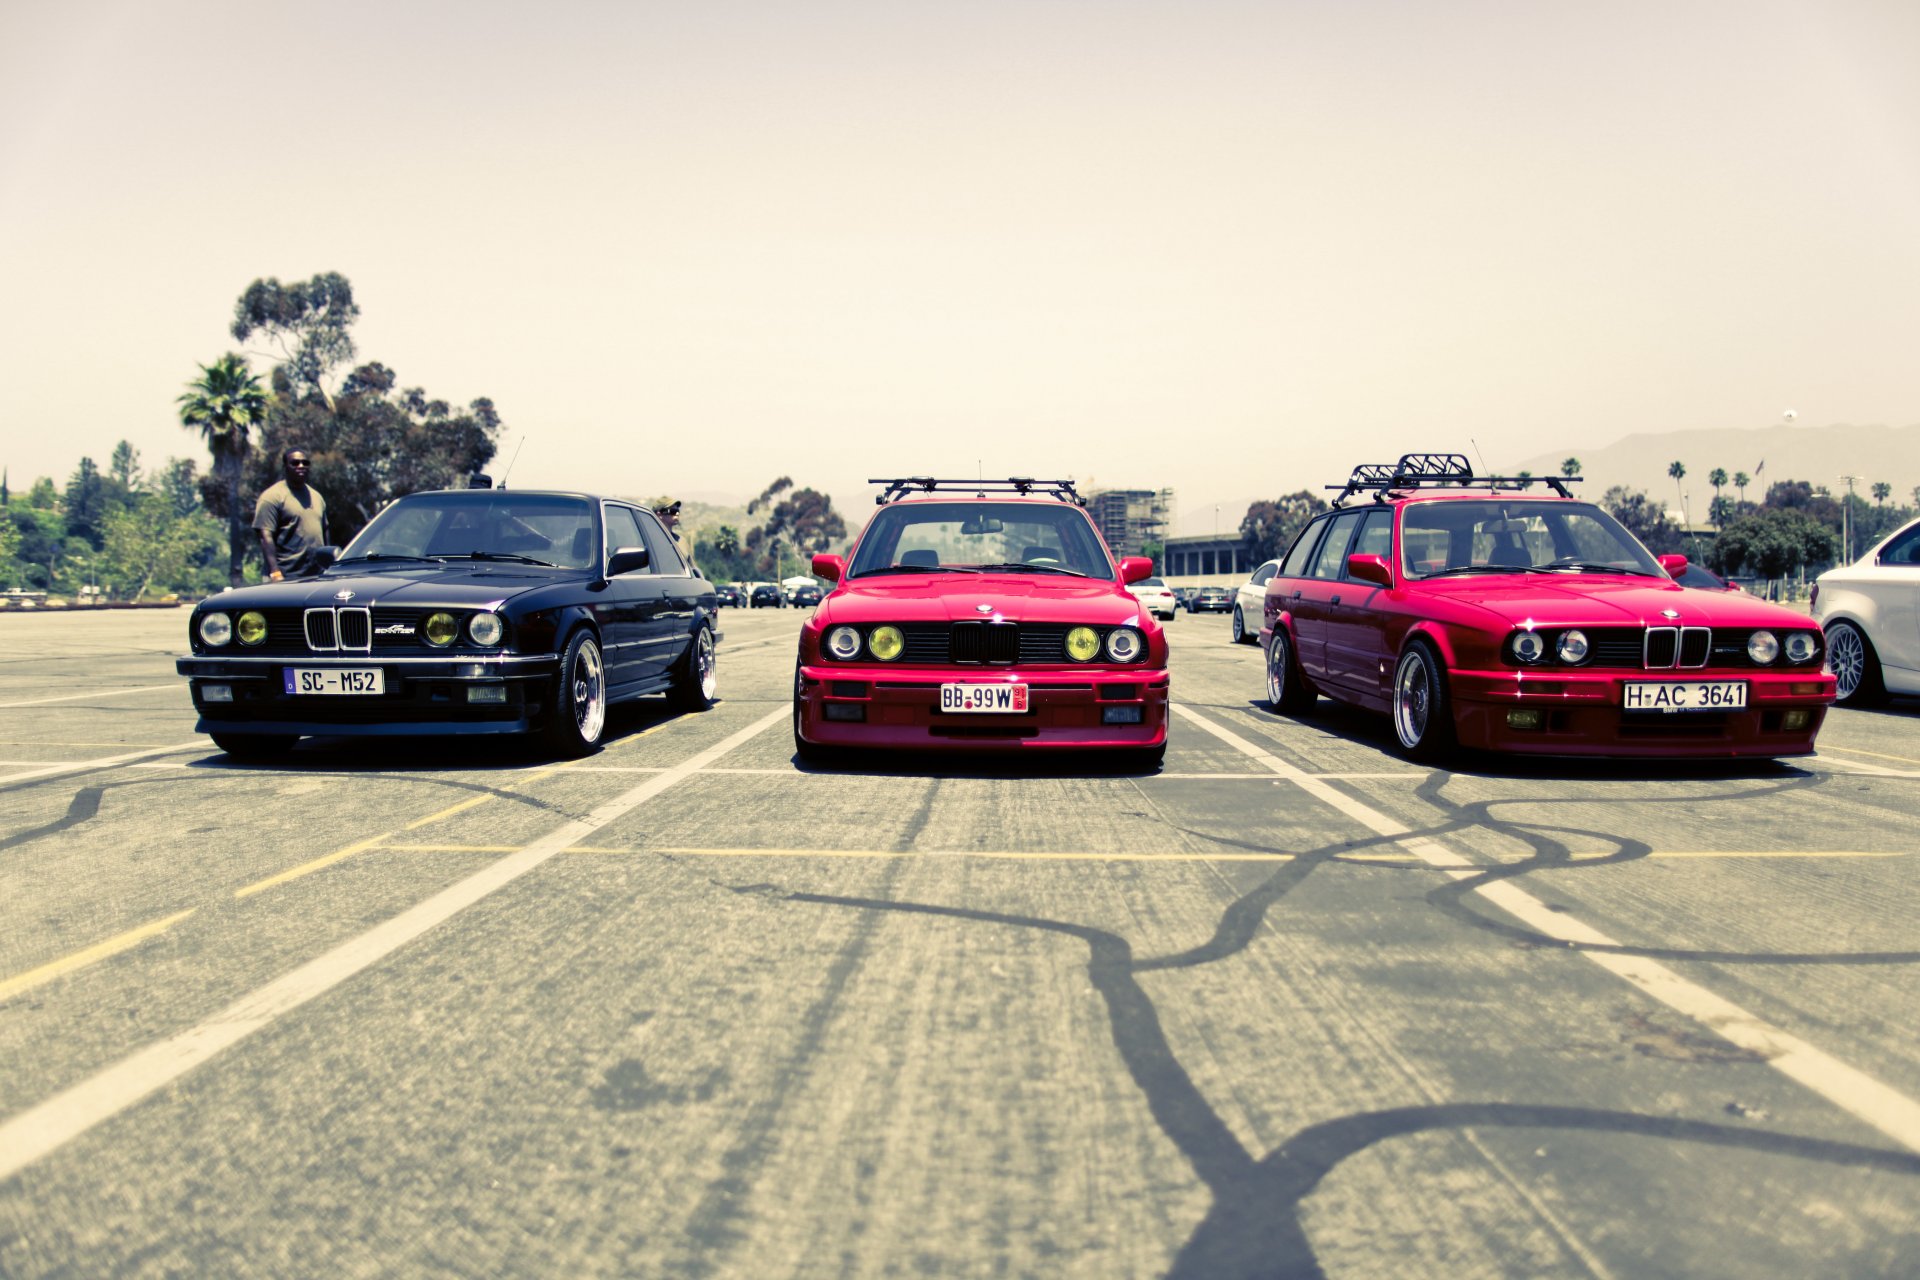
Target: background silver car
{"x":1870,"y":611}
{"x":1250,"y":604}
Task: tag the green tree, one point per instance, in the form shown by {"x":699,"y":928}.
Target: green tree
{"x":1740,"y":481}
{"x":12,"y":571}
{"x":1881,"y":492}
{"x":123,"y":468}
{"x":1571,"y":467}
{"x":40,"y":535}
{"x":1269,"y":528}
{"x":807,"y":522}
{"x":1645,"y":519}
{"x":43,"y":496}
{"x":1774,"y":543}
{"x":1678,"y":472}
{"x":226,"y":403}
{"x":151,"y":548}
{"x":306,"y":323}
{"x":1718,"y":479}
{"x":87,"y":503}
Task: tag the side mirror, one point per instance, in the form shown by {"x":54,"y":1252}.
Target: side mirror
{"x":323,"y":557}
{"x":1675,"y":565}
{"x":1369,"y":568}
{"x":1135,"y":569}
{"x":626,"y":560}
{"x":828,"y":567}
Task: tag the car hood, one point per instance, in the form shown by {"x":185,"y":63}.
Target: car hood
{"x":955,"y":597}
{"x":1544,"y":601}
{"x":456,"y":588}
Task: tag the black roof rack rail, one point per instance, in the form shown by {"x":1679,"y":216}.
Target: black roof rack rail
{"x":1025,"y":486}
{"x":1433,"y":471}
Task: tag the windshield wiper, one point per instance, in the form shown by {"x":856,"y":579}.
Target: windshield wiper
{"x":1482,"y":568}
{"x":1021,"y":566}
{"x":387,"y":556}
{"x":911,"y":568}
{"x":1587,"y":566}
{"x":498,"y":555}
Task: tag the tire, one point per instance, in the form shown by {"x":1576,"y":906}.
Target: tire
{"x":1144,"y":759}
{"x":810,"y":754}
{"x":1856,"y":667}
{"x":1239,"y":626}
{"x":1422,"y":711}
{"x":255,"y":746}
{"x":695,"y":687}
{"x":578,"y":716}
{"x":1288,"y":692}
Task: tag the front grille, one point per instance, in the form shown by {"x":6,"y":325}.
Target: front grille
{"x":1669,"y":647}
{"x":329,"y":630}
{"x":321,"y":635}
{"x":939,"y":644}
{"x":991,"y":643}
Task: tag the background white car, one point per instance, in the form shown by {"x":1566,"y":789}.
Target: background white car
{"x":1155,"y":597}
{"x":1870,"y":611}
{"x":1250,"y":604}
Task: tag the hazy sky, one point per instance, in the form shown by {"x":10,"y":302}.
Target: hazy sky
{"x":1228,"y":247}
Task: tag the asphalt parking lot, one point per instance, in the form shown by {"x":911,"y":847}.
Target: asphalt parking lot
{"x":1291,"y":1006}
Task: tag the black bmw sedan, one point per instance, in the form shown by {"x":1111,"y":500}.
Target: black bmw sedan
{"x":470,"y":611}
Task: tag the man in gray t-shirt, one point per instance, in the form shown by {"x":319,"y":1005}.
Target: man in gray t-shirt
{"x":291,"y":519}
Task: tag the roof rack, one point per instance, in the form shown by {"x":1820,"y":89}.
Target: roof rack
{"x":1025,"y":486}
{"x":1433,"y":471}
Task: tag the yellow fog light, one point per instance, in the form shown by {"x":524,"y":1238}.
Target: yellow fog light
{"x":886,"y":643}
{"x":441,"y":629}
{"x":1083,"y":643}
{"x":252,"y":627}
{"x":1526,"y":718}
{"x":1796,"y":721}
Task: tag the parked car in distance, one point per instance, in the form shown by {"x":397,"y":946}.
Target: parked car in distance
{"x":470,"y":611}
{"x":1180,"y":595}
{"x":1250,"y":603}
{"x":1870,"y":612}
{"x":1477,"y":614}
{"x":1210,"y":600}
{"x":766,"y":596}
{"x":729,"y":596}
{"x":983,"y":616}
{"x":806,"y":597}
{"x":1154,"y":597}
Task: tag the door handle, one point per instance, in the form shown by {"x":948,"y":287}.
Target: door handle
{"x":1335,"y":600}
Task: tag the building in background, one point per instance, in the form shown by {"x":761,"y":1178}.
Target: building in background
{"x":1129,"y":518}
{"x":1219,"y":561}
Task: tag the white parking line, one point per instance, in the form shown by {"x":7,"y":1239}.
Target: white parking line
{"x":104,"y":762}
{"x":1886,"y":1109}
{"x":96,"y":693}
{"x":47,"y":1126}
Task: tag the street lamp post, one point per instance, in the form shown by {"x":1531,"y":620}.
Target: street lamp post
{"x":1846,"y":523}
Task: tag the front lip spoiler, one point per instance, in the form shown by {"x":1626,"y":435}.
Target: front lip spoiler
{"x":495,"y":666}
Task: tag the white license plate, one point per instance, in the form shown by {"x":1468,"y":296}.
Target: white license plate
{"x":988,"y":699}
{"x":1689,"y":695}
{"x":349,"y":680}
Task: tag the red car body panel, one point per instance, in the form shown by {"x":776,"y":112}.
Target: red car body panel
{"x":900,"y":699}
{"x":1348,"y":636}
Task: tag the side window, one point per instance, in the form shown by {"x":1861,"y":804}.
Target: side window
{"x":1264,"y":572}
{"x":1904,"y":549}
{"x":624,"y":531}
{"x":1301,"y":555}
{"x":1333,"y":550}
{"x":666,"y":557}
{"x":1376,"y":536}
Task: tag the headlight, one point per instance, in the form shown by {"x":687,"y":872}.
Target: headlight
{"x":216,"y":629}
{"x":1801,"y":646}
{"x":441,"y":629}
{"x":486,"y":628}
{"x":886,"y":643}
{"x":843,"y":643}
{"x":1572,"y":648}
{"x":1528,"y":646}
{"x":1762,"y":647}
{"x":1083,"y":644}
{"x":252,"y":627}
{"x":1124,"y":644}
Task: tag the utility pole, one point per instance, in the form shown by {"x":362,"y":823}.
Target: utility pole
{"x":1846,"y":522}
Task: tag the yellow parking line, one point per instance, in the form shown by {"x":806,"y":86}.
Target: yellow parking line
{"x":1877,"y":755}
{"x":80,"y":959}
{"x":308,"y":868}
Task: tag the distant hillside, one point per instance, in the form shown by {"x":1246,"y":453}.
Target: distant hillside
{"x":1819,"y":455}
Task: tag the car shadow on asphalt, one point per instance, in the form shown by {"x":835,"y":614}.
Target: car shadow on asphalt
{"x":1366,"y":729}
{"x":854,"y":762}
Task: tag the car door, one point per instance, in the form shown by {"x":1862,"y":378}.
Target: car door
{"x":1316,"y":595}
{"x":628,"y":604}
{"x":673,"y":601}
{"x":1896,"y":591}
{"x":1357,"y":615}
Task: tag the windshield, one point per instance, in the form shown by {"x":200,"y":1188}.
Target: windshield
{"x":973,"y":537}
{"x":1517,"y":536}
{"x":487,"y":524}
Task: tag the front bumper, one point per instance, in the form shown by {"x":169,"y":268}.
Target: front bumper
{"x":423,"y":696}
{"x":900,"y":708}
{"x":1583,"y":713}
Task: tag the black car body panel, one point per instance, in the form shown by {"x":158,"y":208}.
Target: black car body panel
{"x":362,"y":616}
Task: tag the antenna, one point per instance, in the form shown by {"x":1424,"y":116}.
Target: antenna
{"x":1484,"y":468}
{"x":510,"y":461}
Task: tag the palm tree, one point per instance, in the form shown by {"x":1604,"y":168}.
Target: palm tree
{"x":1881,"y":492}
{"x":225,"y":403}
{"x":1718,"y":479}
{"x":1740,"y":481}
{"x":1571,"y":467}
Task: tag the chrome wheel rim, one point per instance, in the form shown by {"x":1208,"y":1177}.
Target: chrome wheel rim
{"x":1847,"y":655}
{"x":1239,"y":626}
{"x":1276,"y":669}
{"x":1412,"y":699}
{"x":703,"y":664}
{"x":587,"y":689}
